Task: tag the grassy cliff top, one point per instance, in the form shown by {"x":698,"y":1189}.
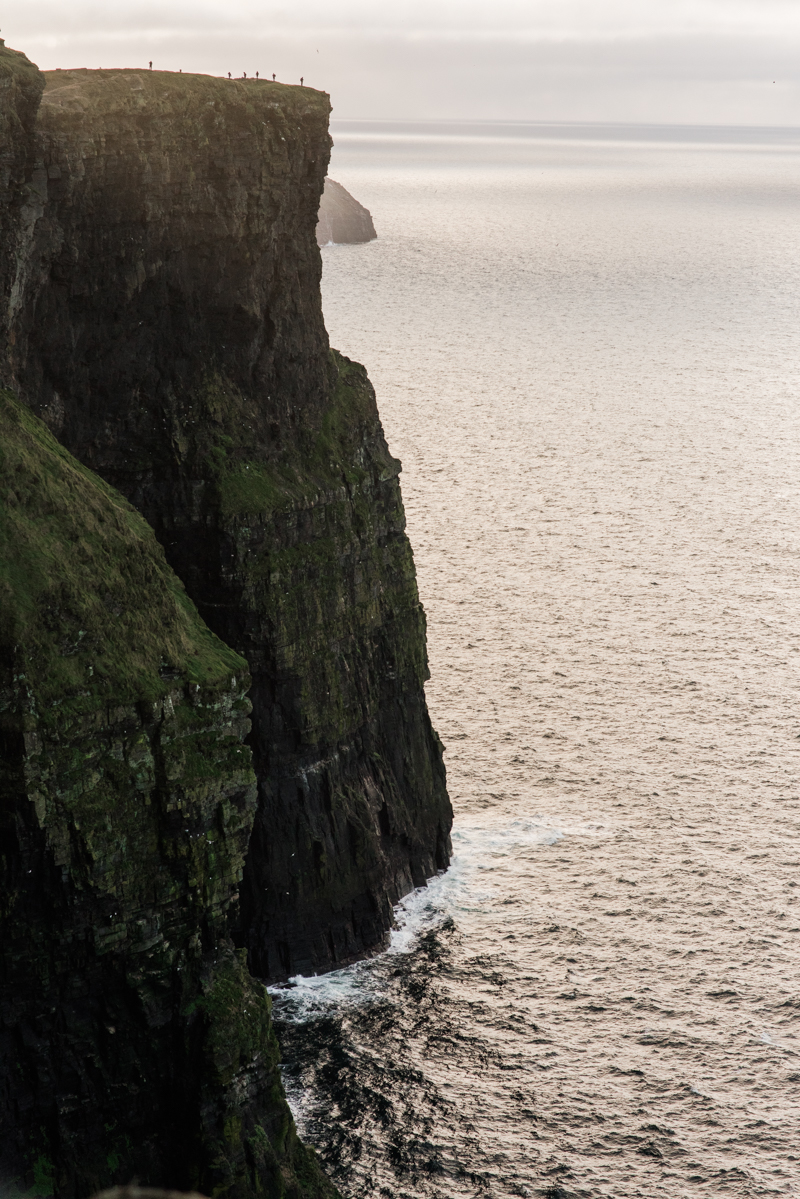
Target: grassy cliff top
{"x":89,"y":609}
{"x":16,"y":65}
{"x":121,"y":90}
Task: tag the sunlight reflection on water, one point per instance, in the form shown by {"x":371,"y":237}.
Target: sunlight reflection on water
{"x":585,"y":356}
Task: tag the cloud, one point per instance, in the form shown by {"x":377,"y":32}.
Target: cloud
{"x":667,"y":60}
{"x":531,"y":19}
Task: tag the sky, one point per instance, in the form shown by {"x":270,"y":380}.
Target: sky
{"x":665,"y":61}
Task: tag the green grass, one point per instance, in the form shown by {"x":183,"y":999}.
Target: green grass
{"x":89,"y":608}
{"x":130,"y":88}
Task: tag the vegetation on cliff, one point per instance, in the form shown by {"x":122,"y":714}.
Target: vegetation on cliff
{"x":171,"y":335}
{"x":75,"y":560}
{"x":133,"y":1039}
{"x":206,"y":520}
{"x":21,"y":87}
{"x":328,"y":615}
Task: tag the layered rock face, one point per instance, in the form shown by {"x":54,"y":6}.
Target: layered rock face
{"x":162,"y":317}
{"x":133,"y":1041}
{"x":172,"y":337}
{"x":341,"y":218}
{"x":21,"y":87}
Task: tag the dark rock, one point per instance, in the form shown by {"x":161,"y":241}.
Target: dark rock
{"x":21,"y":87}
{"x":162,"y":311}
{"x":172,"y":336}
{"x":137,"y":1192}
{"x":132,"y":1039}
{"x":342,"y":219}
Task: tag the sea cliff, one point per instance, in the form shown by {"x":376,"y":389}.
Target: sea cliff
{"x":218,"y":766}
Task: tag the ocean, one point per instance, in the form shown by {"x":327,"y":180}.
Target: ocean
{"x":584,"y":341}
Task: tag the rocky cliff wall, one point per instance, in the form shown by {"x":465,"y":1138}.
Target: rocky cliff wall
{"x":171,"y":335}
{"x":133,"y":1041}
{"x":21,"y":87}
{"x":161,"y":314}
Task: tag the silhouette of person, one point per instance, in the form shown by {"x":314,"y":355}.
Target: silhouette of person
{"x":301,"y":80}
{"x":244,"y":74}
{"x":151,"y":64}
{"x":229,"y":74}
{"x":273,"y":76}
{"x":256,"y":74}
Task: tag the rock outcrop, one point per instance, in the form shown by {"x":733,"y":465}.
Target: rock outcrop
{"x":341,"y":219}
{"x":162,"y":318}
{"x":21,"y":87}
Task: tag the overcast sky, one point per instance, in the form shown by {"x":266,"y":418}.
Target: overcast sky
{"x":693,"y":61}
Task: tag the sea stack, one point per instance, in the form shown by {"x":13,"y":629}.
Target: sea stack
{"x":342,"y":220}
{"x":217,"y":763}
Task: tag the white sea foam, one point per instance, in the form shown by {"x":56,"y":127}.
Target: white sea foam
{"x":476,"y":849}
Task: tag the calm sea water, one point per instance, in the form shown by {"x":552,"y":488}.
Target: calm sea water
{"x":585,"y":346}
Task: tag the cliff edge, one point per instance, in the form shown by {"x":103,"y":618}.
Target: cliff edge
{"x":171,"y":335}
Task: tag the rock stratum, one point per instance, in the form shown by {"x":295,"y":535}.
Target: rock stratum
{"x":341,"y":219}
{"x":217,"y":767}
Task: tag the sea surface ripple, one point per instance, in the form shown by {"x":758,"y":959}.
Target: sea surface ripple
{"x":584,"y":346}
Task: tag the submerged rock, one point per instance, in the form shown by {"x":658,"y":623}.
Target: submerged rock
{"x":341,"y":218}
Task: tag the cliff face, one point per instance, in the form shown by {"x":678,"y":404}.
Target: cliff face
{"x":133,"y":1042}
{"x":172,"y":337}
{"x":160,"y":842}
{"x":341,"y":219}
{"x":172,"y":248}
{"x":21,"y":87}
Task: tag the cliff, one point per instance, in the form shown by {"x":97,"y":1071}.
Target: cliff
{"x":341,"y":219}
{"x":21,"y":86}
{"x":172,"y":337}
{"x":164,"y":322}
{"x":132,"y":1039}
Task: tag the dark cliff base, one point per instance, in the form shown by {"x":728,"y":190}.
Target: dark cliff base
{"x":162,"y":316}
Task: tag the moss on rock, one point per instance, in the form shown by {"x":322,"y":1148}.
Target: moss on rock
{"x":75,"y":560}
{"x":132,"y":1039}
